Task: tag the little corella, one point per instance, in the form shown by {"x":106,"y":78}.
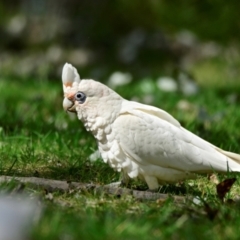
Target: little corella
{"x":141,"y":140}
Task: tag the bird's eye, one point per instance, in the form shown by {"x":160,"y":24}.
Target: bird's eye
{"x":80,"y":97}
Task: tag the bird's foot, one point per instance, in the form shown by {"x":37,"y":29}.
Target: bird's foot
{"x":116,"y":184}
{"x":119,"y":184}
{"x":155,"y":190}
{"x":152,"y":183}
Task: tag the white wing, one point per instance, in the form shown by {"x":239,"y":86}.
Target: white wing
{"x":151,"y":136}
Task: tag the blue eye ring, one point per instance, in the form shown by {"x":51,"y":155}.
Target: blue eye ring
{"x":80,"y":97}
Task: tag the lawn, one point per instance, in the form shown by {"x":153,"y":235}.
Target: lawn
{"x":37,"y":138}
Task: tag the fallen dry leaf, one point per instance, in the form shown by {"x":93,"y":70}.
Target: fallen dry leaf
{"x":224,"y":187}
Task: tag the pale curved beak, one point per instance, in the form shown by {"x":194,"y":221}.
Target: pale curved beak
{"x":68,"y":105}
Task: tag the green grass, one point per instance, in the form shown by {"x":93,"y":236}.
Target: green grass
{"x":37,"y":138}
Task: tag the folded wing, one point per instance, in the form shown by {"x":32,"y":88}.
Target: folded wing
{"x":151,"y":136}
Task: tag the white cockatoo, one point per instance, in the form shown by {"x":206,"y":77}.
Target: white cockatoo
{"x":140,"y":140}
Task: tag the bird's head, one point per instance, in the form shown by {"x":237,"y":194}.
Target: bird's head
{"x":88,"y":98}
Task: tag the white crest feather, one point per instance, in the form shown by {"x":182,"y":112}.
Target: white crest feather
{"x":69,"y":75}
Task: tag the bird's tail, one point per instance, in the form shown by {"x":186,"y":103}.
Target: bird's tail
{"x":234,"y":156}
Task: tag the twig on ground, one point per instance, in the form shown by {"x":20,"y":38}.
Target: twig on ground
{"x":57,"y":185}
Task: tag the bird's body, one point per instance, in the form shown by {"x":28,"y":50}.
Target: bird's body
{"x":140,"y":140}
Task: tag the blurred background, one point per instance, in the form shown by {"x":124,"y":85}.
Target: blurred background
{"x":143,"y":38}
{"x":181,"y":56}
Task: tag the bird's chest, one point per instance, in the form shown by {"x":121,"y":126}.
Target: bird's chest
{"x":107,"y":138}
{"x":109,"y":148}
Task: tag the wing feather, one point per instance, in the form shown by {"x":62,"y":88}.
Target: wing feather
{"x":152,"y":136}
{"x":130,"y":105}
